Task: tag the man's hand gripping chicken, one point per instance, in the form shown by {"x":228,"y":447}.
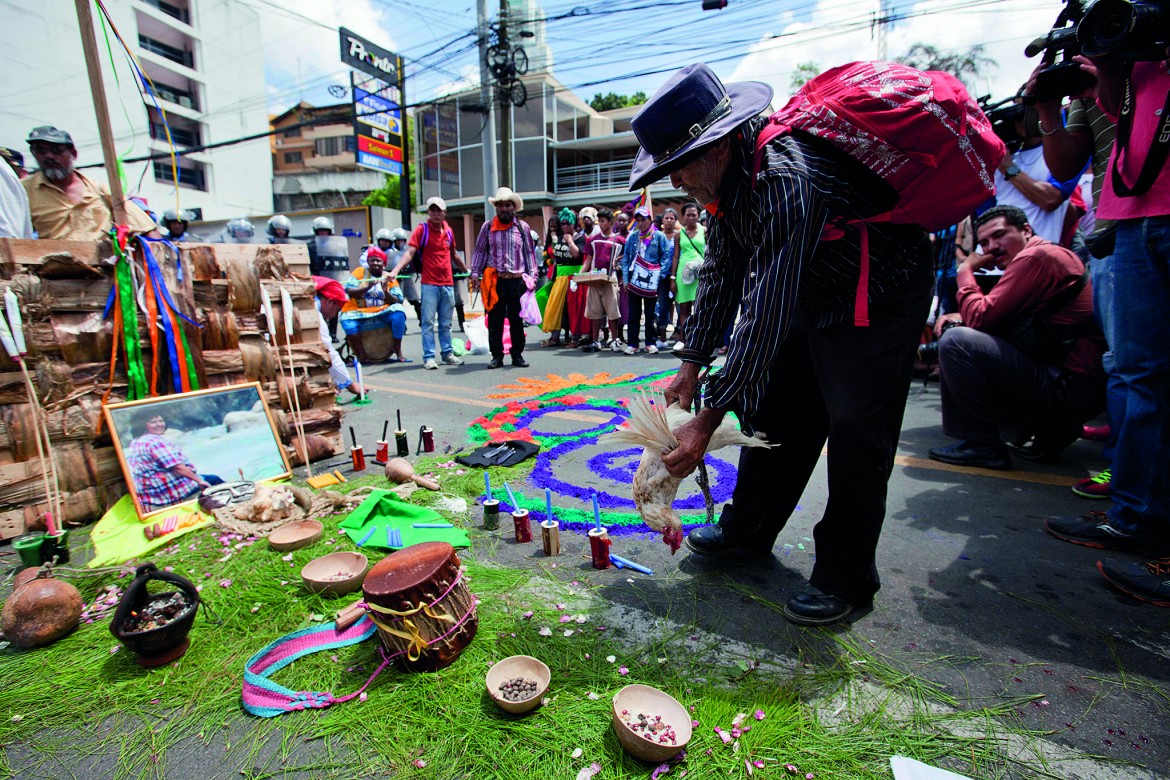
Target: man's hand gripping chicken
{"x":675,"y":442}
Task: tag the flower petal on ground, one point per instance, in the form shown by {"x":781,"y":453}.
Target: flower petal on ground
{"x":545,"y":631}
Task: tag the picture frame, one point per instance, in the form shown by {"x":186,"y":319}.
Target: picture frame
{"x":224,"y":434}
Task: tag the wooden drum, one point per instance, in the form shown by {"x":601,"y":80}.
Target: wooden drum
{"x":418,"y":599}
{"x":372,"y":346}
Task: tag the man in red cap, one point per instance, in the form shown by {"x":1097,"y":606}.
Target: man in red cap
{"x":330,"y":298}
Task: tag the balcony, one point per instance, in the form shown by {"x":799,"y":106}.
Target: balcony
{"x":594,"y":176}
{"x":191,"y":174}
{"x":165,"y":50}
{"x":174,"y":11}
{"x":183,"y":137}
{"x":178,"y":96}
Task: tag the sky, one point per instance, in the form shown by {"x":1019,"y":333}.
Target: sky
{"x":626,"y":46}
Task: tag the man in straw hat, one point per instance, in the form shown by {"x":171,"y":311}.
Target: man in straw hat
{"x":503,"y":268}
{"x":800,"y":370}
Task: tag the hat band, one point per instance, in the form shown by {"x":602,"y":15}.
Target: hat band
{"x":722,"y":109}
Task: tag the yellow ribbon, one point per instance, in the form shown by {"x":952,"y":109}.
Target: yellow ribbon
{"x":417,"y":644}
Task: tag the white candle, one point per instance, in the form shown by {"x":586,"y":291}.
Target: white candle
{"x":12,"y":308}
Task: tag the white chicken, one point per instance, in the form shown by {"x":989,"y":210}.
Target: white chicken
{"x":651,"y":426}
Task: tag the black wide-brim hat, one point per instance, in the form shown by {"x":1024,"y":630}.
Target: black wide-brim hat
{"x":691,"y":110}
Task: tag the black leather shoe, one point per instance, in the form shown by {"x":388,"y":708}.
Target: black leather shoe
{"x":495,"y":363}
{"x":814,"y":607}
{"x":711,"y":541}
{"x":520,"y":362}
{"x":967,"y":453}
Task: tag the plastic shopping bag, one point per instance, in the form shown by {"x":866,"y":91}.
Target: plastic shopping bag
{"x":477,"y":334}
{"x":529,"y":310}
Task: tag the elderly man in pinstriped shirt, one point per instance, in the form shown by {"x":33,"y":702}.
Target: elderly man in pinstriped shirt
{"x":799,"y":370}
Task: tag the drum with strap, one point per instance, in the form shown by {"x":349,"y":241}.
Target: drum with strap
{"x":372,"y":346}
{"x":419,"y":601}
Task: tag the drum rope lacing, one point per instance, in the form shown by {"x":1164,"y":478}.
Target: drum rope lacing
{"x":266,"y":698}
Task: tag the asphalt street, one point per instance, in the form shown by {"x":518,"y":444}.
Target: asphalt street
{"x":976,"y":596}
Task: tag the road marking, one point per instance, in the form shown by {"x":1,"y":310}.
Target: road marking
{"x":1017,"y":476}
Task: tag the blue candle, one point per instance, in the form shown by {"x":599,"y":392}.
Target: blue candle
{"x":366,"y":538}
{"x":596,"y":511}
{"x":548,"y":504}
{"x":431,"y":525}
{"x":628,"y":564}
{"x":487,"y":484}
{"x":511,"y":498}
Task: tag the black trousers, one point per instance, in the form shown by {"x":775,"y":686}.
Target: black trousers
{"x":638,"y":304}
{"x":990,"y":388}
{"x":846,"y":385}
{"x":508,"y":292}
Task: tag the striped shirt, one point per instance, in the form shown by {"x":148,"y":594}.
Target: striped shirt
{"x":765,"y":260}
{"x":508,"y":251}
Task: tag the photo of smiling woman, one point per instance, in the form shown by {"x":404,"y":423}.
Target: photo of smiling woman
{"x":162,"y":474}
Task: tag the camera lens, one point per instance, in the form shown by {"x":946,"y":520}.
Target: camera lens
{"x":1105,"y":26}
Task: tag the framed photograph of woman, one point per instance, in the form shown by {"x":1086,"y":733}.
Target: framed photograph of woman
{"x":173,"y":447}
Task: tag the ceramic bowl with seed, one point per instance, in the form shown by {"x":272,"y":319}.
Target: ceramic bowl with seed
{"x":658,"y":707}
{"x":336,"y":574}
{"x":295,"y":535}
{"x":526,"y":668}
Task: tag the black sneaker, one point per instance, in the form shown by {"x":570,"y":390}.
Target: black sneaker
{"x":1148,"y":582}
{"x":520,"y":362}
{"x":592,"y":347}
{"x":1096,"y":530}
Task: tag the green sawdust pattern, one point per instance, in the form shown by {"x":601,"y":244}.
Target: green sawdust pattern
{"x":79,"y":700}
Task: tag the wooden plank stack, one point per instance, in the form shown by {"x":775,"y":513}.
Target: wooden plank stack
{"x":63,"y":287}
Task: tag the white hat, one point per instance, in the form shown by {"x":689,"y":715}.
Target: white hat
{"x":435,"y":201}
{"x":503,"y":194}
{"x":588,"y":211}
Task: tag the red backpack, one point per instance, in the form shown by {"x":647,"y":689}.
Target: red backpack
{"x":920,"y":131}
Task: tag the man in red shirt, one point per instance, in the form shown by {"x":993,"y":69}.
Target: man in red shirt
{"x":995,"y":371}
{"x":436,"y":241}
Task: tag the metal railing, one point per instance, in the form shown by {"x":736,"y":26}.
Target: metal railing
{"x":165,"y":50}
{"x":170,"y":10}
{"x":180,"y":136}
{"x":594,"y":176}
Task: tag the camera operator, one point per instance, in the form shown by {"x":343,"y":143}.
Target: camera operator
{"x":1133,"y":85}
{"x":1029,"y":353}
{"x":1087,"y":136}
{"x":1023,"y":179}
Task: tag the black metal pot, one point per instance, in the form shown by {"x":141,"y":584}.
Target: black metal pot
{"x":156,"y":646}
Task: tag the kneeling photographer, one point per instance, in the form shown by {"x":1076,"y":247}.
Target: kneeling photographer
{"x":1028,"y":355}
{"x":1128,"y":43}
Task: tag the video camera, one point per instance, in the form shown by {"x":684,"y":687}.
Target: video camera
{"x":1003,"y":117}
{"x":1123,"y":29}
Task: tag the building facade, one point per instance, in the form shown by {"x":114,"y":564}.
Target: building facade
{"x":205,"y":62}
{"x":314,"y":167}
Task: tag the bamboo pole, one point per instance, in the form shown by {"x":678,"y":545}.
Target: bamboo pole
{"x":101,"y":110}
{"x":286,"y":306}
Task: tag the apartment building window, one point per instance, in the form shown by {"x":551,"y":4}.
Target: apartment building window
{"x":191,"y":174}
{"x":327,"y":147}
{"x":293,"y":133}
{"x":292,"y":158}
{"x":172,"y":53}
{"x":170,"y":10}
{"x":181,"y":97}
{"x":184,"y":132}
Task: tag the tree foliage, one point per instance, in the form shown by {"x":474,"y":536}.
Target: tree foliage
{"x":613,"y":100}
{"x":964,"y":65}
{"x":803,"y":72}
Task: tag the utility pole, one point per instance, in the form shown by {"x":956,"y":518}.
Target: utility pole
{"x":93,"y":65}
{"x":505,"y":106}
{"x":489,"y":129}
{"x":404,"y":203}
{"x":882,"y":20}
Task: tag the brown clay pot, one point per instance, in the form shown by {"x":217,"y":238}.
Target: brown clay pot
{"x":41,"y":610}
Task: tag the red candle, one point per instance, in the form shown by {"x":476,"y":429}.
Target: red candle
{"x":599,"y":548}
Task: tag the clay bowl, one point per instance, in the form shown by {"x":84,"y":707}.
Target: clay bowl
{"x":336,"y":574}
{"x":635,"y":699}
{"x":295,"y":535}
{"x":519,"y":666}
